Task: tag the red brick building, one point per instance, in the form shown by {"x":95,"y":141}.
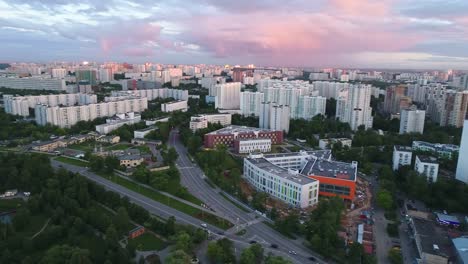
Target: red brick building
{"x":226,"y":136}
{"x":136,"y":232}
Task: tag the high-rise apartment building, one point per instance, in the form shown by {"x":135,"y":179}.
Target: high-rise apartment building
{"x":396,"y":99}
{"x":20,"y":105}
{"x":228,"y":95}
{"x":412,"y":121}
{"x":106,"y":75}
{"x":354,"y":108}
{"x":86,"y":75}
{"x":59,"y":73}
{"x":70,"y":115}
{"x":452,"y":108}
{"x":274,"y":117}
{"x":250,"y":103}
{"x":462,"y":165}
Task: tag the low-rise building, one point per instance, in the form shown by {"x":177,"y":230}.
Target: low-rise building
{"x":334,"y":178}
{"x":143,"y":132}
{"x":130,"y":161}
{"x":180,"y":105}
{"x":118,"y":121}
{"x":327,"y":143}
{"x":402,"y":156}
{"x":202,"y":121}
{"x":49,"y":146}
{"x":243,"y":146}
{"x":441,"y":150}
{"x":157,"y":120}
{"x":226,"y":136}
{"x":112,"y":139}
{"x":431,"y":241}
{"x":428,"y":166}
{"x":284,"y":184}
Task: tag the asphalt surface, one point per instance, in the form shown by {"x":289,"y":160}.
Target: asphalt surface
{"x":193,"y":178}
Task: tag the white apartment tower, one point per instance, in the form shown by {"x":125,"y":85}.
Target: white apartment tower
{"x":274,"y":117}
{"x":59,"y":73}
{"x":228,"y":95}
{"x":412,"y":121}
{"x":354,"y":108}
{"x":250,"y":103}
{"x":462,"y":166}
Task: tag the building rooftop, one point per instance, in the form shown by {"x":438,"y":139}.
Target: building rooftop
{"x":433,"y":240}
{"x":402,"y":148}
{"x":461,"y":246}
{"x":146,"y":129}
{"x":447,"y":219}
{"x":129,"y":157}
{"x":321,"y":154}
{"x":175,"y":101}
{"x":331,"y":169}
{"x":436,"y":146}
{"x":253,"y":139}
{"x":238,"y":129}
{"x":427,"y":159}
{"x":290,"y":175}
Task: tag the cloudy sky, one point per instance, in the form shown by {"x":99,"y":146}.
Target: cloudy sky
{"x":346,"y":33}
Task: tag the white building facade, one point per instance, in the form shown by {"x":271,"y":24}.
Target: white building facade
{"x":354,"y":108}
{"x":462,"y":165}
{"x":202,"y":121}
{"x":274,"y":117}
{"x":228,"y":95}
{"x":427,"y":166}
{"x":402,"y":156}
{"x":412,"y":121}
{"x":70,"y":115}
{"x":244,"y":146}
{"x":174,"y":106}
{"x":284,"y":184}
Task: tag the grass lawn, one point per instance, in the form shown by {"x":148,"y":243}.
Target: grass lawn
{"x":143,"y":149}
{"x":147,"y":242}
{"x":234,"y":203}
{"x":86,"y":146}
{"x":10,"y":204}
{"x":120,"y":146}
{"x":180,"y":206}
{"x":75,"y":162}
{"x":174,"y":185}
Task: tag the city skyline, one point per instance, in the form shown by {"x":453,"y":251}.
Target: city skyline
{"x":354,"y":34}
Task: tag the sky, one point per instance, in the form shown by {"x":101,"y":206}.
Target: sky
{"x":417,"y":34}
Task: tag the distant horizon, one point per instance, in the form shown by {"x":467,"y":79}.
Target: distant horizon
{"x":242,"y":65}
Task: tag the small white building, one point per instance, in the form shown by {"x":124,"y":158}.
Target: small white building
{"x":402,"y":156}
{"x":143,"y":132}
{"x":202,"y":121}
{"x":180,"y":105}
{"x":327,"y":143}
{"x":428,"y":166}
{"x":243,"y":146}
{"x":118,"y":121}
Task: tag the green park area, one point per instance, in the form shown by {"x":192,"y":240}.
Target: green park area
{"x":147,"y":242}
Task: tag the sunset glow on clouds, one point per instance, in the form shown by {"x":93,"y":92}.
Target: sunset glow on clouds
{"x":347,"y":33}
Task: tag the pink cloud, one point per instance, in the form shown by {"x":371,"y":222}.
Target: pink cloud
{"x":299,"y":37}
{"x":361,"y":7}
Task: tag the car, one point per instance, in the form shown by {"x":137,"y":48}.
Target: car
{"x":274,"y":246}
{"x":204,"y":225}
{"x":252,"y":242}
{"x":221,"y":233}
{"x":312,"y":258}
{"x":292,"y":252}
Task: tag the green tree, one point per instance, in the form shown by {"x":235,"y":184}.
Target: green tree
{"x":111,"y":234}
{"x":183,"y":241}
{"x":394,"y":255}
{"x":214,"y":252}
{"x":384,"y":199}
{"x":170,"y":156}
{"x":111,"y":163}
{"x":247,"y":257}
{"x":121,"y":220}
{"x":177,"y":257}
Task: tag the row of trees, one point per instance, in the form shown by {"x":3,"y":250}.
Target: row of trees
{"x":79,"y":227}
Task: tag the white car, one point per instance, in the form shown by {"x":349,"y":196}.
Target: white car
{"x":204,"y":225}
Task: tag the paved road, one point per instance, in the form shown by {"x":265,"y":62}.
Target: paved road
{"x":193,"y":178}
{"x":165,"y":212}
